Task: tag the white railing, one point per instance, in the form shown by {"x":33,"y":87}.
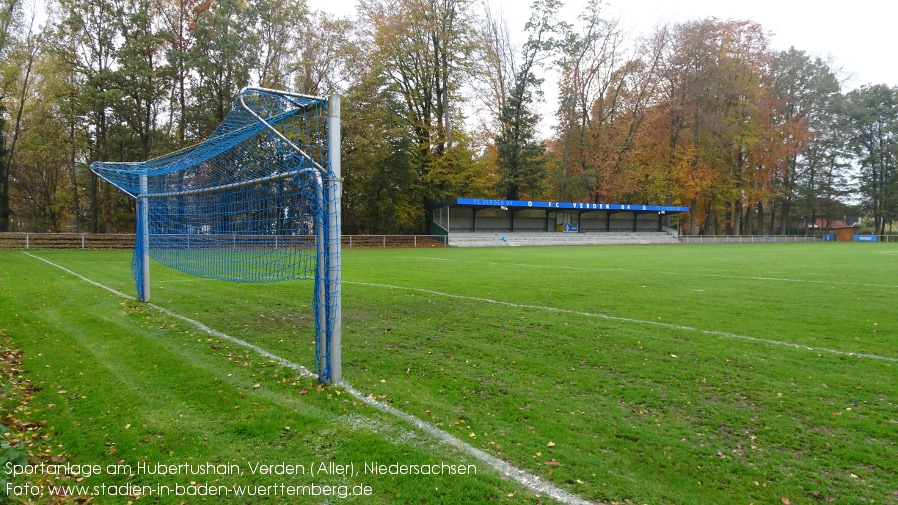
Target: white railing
{"x":111,"y":241}
{"x":749,"y":239}
{"x":24,"y":240}
{"x":392,"y":241}
{"x":745,"y":239}
{"x":107,"y":241}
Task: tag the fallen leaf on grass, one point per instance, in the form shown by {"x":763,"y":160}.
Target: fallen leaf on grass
{"x":785,"y":501}
{"x":552,"y":463}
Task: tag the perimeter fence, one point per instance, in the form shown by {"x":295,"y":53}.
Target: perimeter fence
{"x":754,"y":239}
{"x":745,"y":239}
{"x":125,"y":241}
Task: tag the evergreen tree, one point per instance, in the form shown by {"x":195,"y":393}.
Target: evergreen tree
{"x":520,"y":167}
{"x":519,"y":152}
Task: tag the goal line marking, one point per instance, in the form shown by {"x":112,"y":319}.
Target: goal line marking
{"x":533,"y":482}
{"x":672,"y":326}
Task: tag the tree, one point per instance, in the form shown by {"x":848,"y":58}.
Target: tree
{"x":674,"y":142}
{"x":87,"y":36}
{"x":141,"y":80}
{"x":419,"y":50}
{"x":590,"y":82}
{"x":280,"y":26}
{"x":872,"y":121}
{"x":380,"y":176}
{"x":61,"y":81}
{"x":712,"y":132}
{"x":521,"y":170}
{"x":176,"y":17}
{"x":606,"y":90}
{"x":9,"y":10}
{"x":822,"y":182}
{"x":322,"y":61}
{"x":736,"y":116}
{"x":25,"y":56}
{"x":492,"y":69}
{"x":807,"y":94}
{"x":41,"y":185}
{"x":5,"y":211}
{"x":699,"y":113}
{"x":223,"y":53}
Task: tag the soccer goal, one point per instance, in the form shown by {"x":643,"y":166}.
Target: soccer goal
{"x":258,"y":201}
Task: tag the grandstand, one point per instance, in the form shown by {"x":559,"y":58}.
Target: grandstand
{"x":476,"y":222}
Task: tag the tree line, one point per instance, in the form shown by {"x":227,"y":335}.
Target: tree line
{"x":441,"y":101}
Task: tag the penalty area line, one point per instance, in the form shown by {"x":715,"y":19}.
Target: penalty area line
{"x":532,"y":482}
{"x":672,"y":326}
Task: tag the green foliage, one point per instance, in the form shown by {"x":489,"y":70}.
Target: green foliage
{"x":521,"y":170}
{"x":12,"y":455}
{"x":420,"y":52}
{"x":283,"y":28}
{"x":872,"y":115}
{"x":381,"y":187}
{"x":223,"y":55}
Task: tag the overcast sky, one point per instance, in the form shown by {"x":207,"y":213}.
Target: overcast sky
{"x":860,"y":36}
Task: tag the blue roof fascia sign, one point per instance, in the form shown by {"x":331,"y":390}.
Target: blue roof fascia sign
{"x":531,"y":204}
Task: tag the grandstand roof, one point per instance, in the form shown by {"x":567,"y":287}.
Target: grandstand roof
{"x":581,"y":206}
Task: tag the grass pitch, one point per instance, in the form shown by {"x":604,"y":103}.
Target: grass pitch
{"x":758,"y":373}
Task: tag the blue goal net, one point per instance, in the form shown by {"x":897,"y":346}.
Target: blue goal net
{"x":258,"y":201}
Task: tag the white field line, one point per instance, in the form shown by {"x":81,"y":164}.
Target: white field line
{"x":528,"y":480}
{"x":716,"y":333}
{"x":692,"y":274}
